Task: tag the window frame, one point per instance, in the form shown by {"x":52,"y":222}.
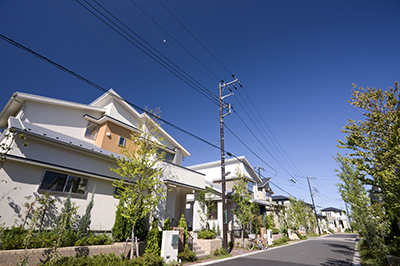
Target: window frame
{"x":119,"y":141}
{"x":64,"y":191}
{"x":91,"y":135}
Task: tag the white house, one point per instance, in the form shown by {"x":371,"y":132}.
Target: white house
{"x":337,"y":220}
{"x":69,"y":145}
{"x":212,"y":172}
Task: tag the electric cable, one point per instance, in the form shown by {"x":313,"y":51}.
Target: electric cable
{"x":169,"y":11}
{"x":169,"y":68}
{"x":165,"y":31}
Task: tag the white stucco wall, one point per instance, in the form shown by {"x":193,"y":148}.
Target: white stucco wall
{"x":68,"y":121}
{"x":20,"y":181}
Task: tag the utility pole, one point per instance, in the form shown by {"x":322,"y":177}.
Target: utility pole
{"x":222,"y":106}
{"x":312,"y":198}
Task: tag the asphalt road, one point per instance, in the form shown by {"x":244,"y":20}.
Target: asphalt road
{"x":333,"y":250}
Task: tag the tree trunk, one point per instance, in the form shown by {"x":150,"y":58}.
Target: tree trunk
{"x":133,"y":243}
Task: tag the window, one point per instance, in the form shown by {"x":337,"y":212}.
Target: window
{"x":60,"y":182}
{"x":91,"y":130}
{"x":121,"y":141}
{"x":212,"y":211}
{"x":167,"y":156}
{"x":250,"y":185}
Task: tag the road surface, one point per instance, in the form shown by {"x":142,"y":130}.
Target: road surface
{"x":333,"y":250}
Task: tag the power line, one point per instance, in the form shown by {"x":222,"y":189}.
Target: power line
{"x":98,"y":87}
{"x":187,"y":79}
{"x":155,"y":22}
{"x":270,"y":131}
{"x":261,"y":142}
{"x":169,"y":11}
{"x":249,"y":148}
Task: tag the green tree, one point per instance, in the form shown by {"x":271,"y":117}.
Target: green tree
{"x":122,"y":227}
{"x":256,"y":221}
{"x":167,"y":224}
{"x":242,"y":198}
{"x":375,"y":142}
{"x":182,"y":223}
{"x":374,"y":145}
{"x":366,"y":220}
{"x":298,"y":214}
{"x":153,"y":239}
{"x":141,"y":187}
{"x":84,"y":223}
{"x":207,"y":206}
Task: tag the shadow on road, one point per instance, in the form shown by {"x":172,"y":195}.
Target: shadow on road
{"x":336,"y":262}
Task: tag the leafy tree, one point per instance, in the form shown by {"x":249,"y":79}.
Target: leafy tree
{"x":207,"y":206}
{"x":374,"y":145}
{"x":256,"y":219}
{"x":242,"y":198}
{"x":298,"y":214}
{"x":141,"y":187}
{"x":268,"y":221}
{"x":374,"y":142}
{"x":367,"y":220}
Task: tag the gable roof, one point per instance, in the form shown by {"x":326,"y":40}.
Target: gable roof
{"x":331,"y":209}
{"x":18,"y":99}
{"x":279,"y":198}
{"x":241,"y":159}
{"x":111,"y":96}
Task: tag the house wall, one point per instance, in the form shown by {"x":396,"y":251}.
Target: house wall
{"x":20,"y":183}
{"x":60,"y":119}
{"x":111,"y":143}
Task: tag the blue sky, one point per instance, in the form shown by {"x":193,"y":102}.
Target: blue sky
{"x":295,"y":59}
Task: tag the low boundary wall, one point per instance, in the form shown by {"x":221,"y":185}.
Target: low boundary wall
{"x":37,"y":255}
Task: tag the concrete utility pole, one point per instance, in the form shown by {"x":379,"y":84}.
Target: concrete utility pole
{"x":222,"y":106}
{"x":312,"y":198}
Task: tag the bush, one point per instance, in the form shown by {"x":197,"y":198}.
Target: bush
{"x":13,"y":238}
{"x":280,"y":241}
{"x":301,"y":237}
{"x":187,"y":255}
{"x":91,"y":239}
{"x":276,"y":231}
{"x":108,"y":260}
{"x":220,"y":252}
{"x":206,"y":234}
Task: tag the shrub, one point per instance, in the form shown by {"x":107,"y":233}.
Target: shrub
{"x":13,"y":238}
{"x":153,"y":239}
{"x":301,"y":237}
{"x":275,"y":231}
{"x":182,"y":223}
{"x":122,"y":228}
{"x":108,"y":260}
{"x":187,"y":255}
{"x":231,"y":244}
{"x":206,"y":234}
{"x":167,"y":225}
{"x":220,"y":252}
{"x":280,"y":241}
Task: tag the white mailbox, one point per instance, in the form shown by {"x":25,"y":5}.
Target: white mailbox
{"x":169,"y":245}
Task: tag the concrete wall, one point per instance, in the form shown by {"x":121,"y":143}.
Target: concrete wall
{"x":35,"y":256}
{"x":209,"y":245}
